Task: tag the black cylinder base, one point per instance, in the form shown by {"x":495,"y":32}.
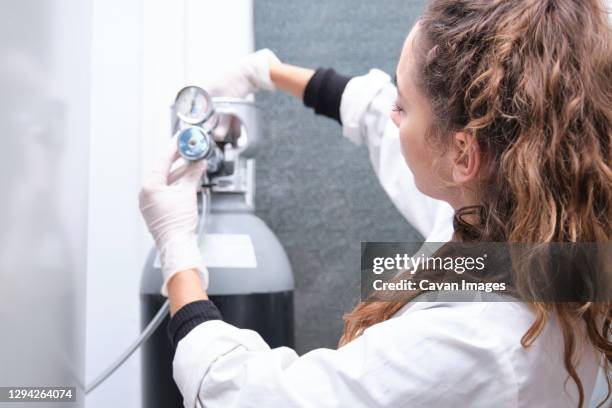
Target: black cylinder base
{"x":269,"y":314}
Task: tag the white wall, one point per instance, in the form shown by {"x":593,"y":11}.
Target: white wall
{"x":116,"y":235}
{"x":143,"y":52}
{"x":44,"y":122}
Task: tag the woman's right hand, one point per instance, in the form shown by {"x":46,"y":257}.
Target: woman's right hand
{"x":250,"y":75}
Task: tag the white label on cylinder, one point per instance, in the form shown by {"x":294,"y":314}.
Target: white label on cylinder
{"x":225,"y":251}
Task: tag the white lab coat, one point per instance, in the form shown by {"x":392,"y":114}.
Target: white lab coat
{"x":430,"y":354}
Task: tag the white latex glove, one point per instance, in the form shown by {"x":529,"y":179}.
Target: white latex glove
{"x":168,"y":203}
{"x":250,"y":75}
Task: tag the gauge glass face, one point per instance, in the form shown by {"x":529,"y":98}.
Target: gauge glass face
{"x":194,"y":143}
{"x":193,"y":105}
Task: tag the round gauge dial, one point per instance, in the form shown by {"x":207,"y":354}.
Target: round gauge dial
{"x":193,"y":105}
{"x":194,"y":143}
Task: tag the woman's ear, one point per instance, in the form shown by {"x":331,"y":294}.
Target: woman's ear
{"x":466,"y":157}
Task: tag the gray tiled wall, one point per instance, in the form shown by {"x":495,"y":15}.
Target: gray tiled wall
{"x":315,"y":189}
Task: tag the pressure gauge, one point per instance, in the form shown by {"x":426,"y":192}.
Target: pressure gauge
{"x":194,"y":143}
{"x":193,"y":105}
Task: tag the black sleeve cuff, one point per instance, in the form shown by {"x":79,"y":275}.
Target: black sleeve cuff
{"x":190,"y":316}
{"x":324,"y":92}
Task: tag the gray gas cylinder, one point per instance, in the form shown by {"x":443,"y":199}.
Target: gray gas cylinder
{"x":251,"y":281}
{"x":257,"y":297}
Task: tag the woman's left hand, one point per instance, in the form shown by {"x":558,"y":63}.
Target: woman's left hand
{"x":250,"y":75}
{"x":168,"y":203}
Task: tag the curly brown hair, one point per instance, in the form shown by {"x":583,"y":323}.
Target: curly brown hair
{"x":531,"y":81}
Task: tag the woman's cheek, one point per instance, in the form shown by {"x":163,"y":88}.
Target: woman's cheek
{"x":404,"y":134}
{"x":413,"y":147}
{"x":409,"y":143}
{"x":400,"y":120}
{"x":395,"y":118}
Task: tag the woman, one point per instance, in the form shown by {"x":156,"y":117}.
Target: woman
{"x":504,"y":111}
